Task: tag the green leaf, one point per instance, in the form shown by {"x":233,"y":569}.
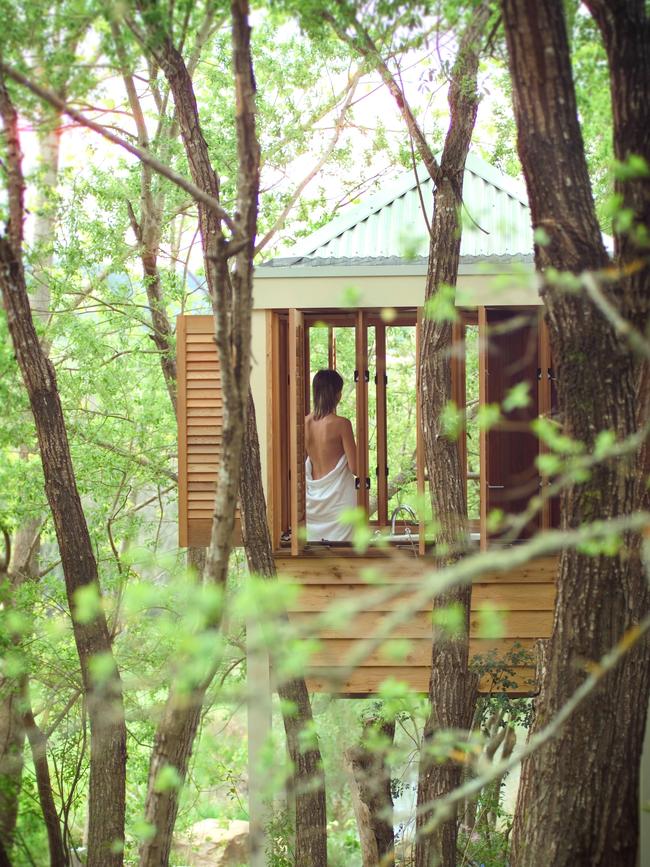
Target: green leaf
{"x":143,"y":830}
{"x":351,"y":296}
{"x":631,"y":169}
{"x":441,"y":306}
{"x":452,"y":421}
{"x":396,"y":649}
{"x":450,"y":620}
{"x":87,"y":604}
{"x":517,"y":397}
{"x":102,"y":668}
{"x":540,"y":237}
{"x":548,"y":464}
{"x":167,"y":778}
{"x":488,"y":416}
{"x":491,"y":622}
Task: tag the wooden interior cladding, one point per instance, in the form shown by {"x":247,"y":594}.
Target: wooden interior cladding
{"x":200,"y":424}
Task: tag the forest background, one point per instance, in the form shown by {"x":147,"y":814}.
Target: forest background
{"x":329,"y":134}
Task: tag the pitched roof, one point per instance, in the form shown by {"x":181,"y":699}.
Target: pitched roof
{"x":390,"y":227}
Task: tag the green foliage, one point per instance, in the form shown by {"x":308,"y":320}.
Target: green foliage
{"x":441,"y":306}
{"x":121,"y":423}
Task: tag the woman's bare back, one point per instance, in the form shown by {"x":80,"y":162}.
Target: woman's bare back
{"x":326,"y":440}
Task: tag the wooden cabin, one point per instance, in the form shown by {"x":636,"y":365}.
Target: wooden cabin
{"x":358,"y":283}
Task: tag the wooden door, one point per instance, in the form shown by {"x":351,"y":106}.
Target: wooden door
{"x":509,"y":357}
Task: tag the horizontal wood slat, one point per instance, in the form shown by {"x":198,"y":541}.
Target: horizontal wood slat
{"x":513,"y":597}
{"x":515,"y":625}
{"x":520,"y":603}
{"x":368,"y":570}
{"x":367,"y":681}
{"x":334,"y":652}
{"x":199,"y":324}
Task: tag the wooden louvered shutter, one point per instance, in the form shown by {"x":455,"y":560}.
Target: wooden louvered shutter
{"x":297,"y":368}
{"x":200,"y":421}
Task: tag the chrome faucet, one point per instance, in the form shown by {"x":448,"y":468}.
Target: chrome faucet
{"x":395,"y":513}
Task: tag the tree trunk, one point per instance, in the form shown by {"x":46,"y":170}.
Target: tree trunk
{"x":452,"y":687}
{"x":12,"y":739}
{"x":231,"y":295}
{"x":105,"y":705}
{"x":372,"y":799}
{"x":38,"y":744}
{"x":308,"y":779}
{"x":598,"y":598}
{"x":26,"y":543}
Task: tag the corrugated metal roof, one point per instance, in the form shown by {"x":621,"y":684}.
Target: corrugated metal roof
{"x":390,"y":224}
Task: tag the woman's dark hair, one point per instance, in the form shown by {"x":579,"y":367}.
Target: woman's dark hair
{"x":327,"y":386}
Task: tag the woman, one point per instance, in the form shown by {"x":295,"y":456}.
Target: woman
{"x":331,"y":464}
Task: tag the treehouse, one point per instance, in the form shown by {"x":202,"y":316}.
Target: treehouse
{"x":350,"y":297}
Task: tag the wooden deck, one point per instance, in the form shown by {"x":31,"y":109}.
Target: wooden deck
{"x":524,"y":599}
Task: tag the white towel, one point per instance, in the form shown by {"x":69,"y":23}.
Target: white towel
{"x":326,"y":499}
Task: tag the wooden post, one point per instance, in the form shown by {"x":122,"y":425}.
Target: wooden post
{"x":382,"y":431}
{"x":331,"y":348}
{"x":482,"y":397}
{"x":297,"y":428}
{"x":273,"y":427}
{"x":258,"y":688}
{"x":307,"y":376}
{"x":419,"y":438}
{"x":362,"y":374}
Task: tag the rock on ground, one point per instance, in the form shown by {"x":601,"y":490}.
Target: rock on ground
{"x":206,"y":844}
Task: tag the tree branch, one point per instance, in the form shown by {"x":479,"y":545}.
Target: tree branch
{"x":58,"y":103}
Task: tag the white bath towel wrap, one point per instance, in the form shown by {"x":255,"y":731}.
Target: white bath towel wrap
{"x":327,"y":498}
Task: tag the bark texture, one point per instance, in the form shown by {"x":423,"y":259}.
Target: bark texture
{"x":17,"y":565}
{"x":452,"y":687}
{"x":599,"y":598}
{"x":24,"y":560}
{"x":38,"y":744}
{"x":372,"y":799}
{"x":308,"y":779}
{"x":231,"y":293}
{"x":105,"y":705}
